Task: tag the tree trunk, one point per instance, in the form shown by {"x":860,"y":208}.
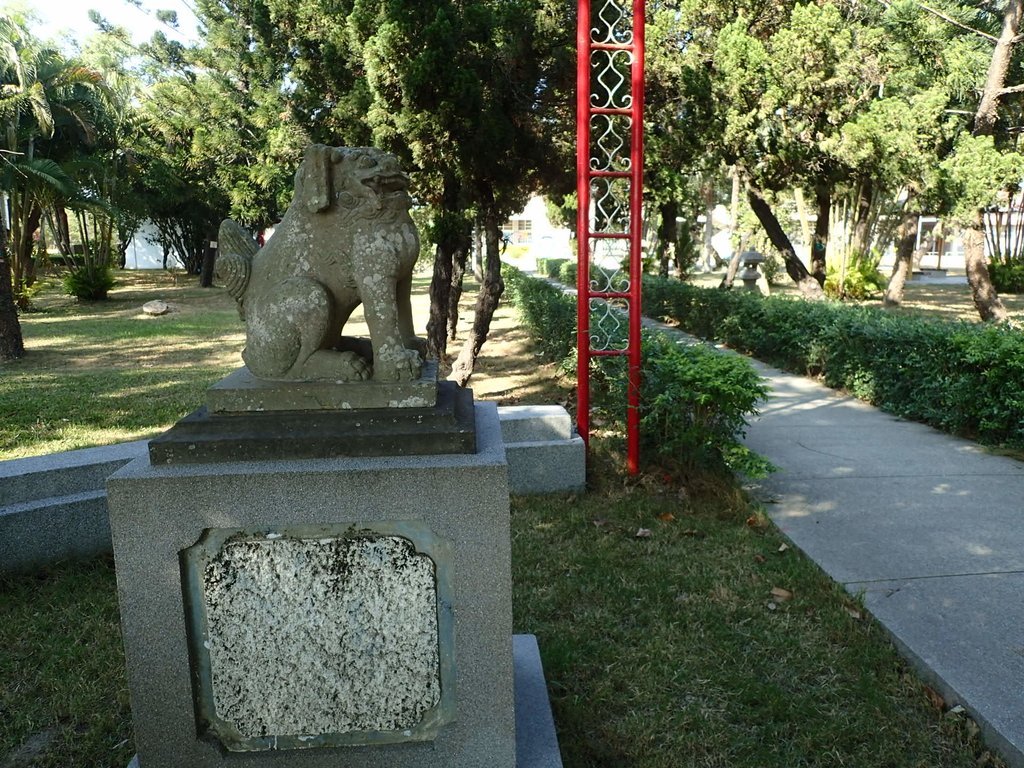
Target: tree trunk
{"x":12,"y":346}
{"x":860,"y":241}
{"x":209,"y":264}
{"x":28,"y":244}
{"x":794,"y":267}
{"x":805,"y":223}
{"x":819,"y":248}
{"x":61,"y":230}
{"x":668,"y":234}
{"x":734,"y":266}
{"x":988,"y":108}
{"x":986,"y":300}
{"x":459,"y":259}
{"x":449,"y":226}
{"x":708,"y":255}
{"x":478,"y":253}
{"x":487,"y":300}
{"x":734,"y":217}
{"x":906,"y":240}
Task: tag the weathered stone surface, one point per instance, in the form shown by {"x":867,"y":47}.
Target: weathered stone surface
{"x":346,"y":239}
{"x":312,"y":637}
{"x":156,"y":307}
{"x":242,"y":392}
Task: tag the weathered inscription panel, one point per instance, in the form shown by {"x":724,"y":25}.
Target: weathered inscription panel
{"x":305,"y":638}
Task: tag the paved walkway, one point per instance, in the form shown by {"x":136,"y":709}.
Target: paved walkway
{"x":928,"y":527}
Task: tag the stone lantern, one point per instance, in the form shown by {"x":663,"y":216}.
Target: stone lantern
{"x":750,"y":260}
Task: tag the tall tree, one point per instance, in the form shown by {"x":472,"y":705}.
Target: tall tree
{"x":986,"y":300}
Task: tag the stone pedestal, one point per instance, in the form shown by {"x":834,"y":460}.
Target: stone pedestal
{"x":329,"y":613}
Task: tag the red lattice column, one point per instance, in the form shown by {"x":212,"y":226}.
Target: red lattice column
{"x":609,"y":176}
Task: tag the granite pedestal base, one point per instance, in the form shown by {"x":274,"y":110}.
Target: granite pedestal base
{"x":238,"y":603}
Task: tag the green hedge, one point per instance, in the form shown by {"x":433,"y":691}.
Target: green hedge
{"x":960,"y":377}
{"x":600,"y":279}
{"x":550,"y":267}
{"x":694,"y":401}
{"x":1007,"y":278}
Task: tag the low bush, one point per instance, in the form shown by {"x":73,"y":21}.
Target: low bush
{"x":862,"y":280}
{"x":550,"y":267}
{"x":567,"y":272}
{"x":961,"y":377}
{"x":89,"y":282}
{"x":694,"y":404}
{"x":1007,"y":278}
{"x":694,"y":401}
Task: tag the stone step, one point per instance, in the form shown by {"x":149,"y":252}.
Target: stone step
{"x":60,"y":474}
{"x":547,"y":466}
{"x":532,"y":423}
{"x":57,"y":528}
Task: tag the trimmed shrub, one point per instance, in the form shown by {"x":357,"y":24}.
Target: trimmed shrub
{"x":960,"y":377}
{"x":550,"y":267}
{"x":1007,"y":278}
{"x":694,"y":404}
{"x":567,"y":273}
{"x":694,"y":401}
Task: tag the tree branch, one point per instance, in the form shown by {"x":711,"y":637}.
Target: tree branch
{"x":1012,"y":89}
{"x":949,"y":19}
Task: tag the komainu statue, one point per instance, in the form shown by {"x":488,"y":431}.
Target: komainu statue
{"x":347,"y":238}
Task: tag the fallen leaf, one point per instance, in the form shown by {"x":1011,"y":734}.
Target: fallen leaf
{"x":544,"y":526}
{"x":682,"y":494}
{"x":753,"y":521}
{"x":644,"y":533}
{"x":855,"y":614}
{"x":934,"y":698}
{"x":694,"y":533}
{"x":599,"y":523}
{"x":782,"y":595}
{"x":783,"y":547}
{"x":957,"y":710}
{"x":667,"y":517}
{"x":760,"y":558}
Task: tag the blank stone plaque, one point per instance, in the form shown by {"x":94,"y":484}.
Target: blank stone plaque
{"x":318,"y":636}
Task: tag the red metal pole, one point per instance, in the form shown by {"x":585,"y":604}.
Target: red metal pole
{"x":636,"y":202}
{"x":583,"y":219}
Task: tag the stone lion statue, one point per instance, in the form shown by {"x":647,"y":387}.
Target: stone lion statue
{"x":347,"y":238}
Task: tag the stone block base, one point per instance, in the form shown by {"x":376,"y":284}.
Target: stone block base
{"x":323,"y":613}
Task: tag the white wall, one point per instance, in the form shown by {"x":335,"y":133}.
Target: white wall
{"x":144,"y":254}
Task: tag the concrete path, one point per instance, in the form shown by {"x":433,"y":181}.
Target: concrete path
{"x":929,"y":528}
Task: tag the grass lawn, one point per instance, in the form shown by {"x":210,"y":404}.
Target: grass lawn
{"x":677,"y":627}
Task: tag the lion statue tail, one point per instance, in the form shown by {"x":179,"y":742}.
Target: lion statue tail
{"x":235,"y":251}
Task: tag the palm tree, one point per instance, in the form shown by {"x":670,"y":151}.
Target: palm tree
{"x":46,"y":117}
{"x":48,"y":111}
